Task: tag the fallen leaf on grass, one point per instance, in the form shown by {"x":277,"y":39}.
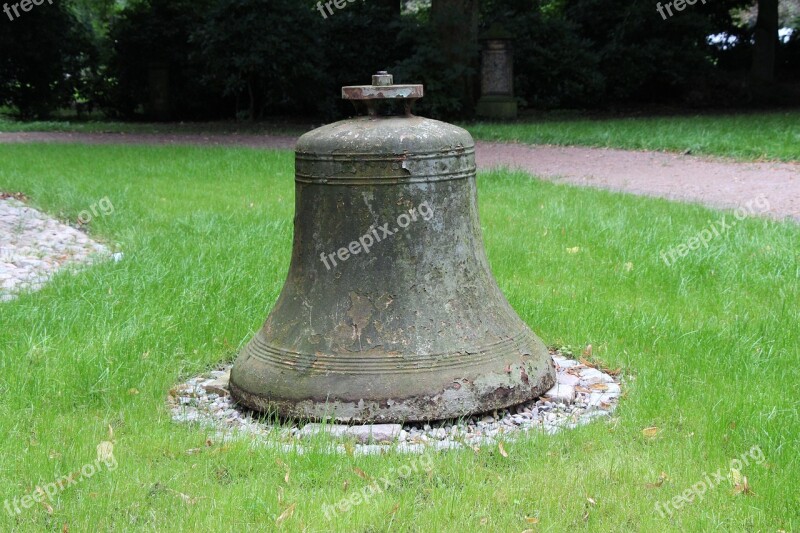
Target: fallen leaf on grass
{"x":600,"y":365}
{"x":188,"y":500}
{"x":531,"y":520}
{"x":591,"y":500}
{"x":599,"y":387}
{"x":574,"y":250}
{"x":287,"y":514}
{"x":360,"y":473}
{"x":740,"y":484}
{"x":661,"y":479}
{"x":587,"y":352}
{"x":503,"y":451}
{"x":650,"y":432}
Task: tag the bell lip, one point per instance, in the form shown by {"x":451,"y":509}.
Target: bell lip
{"x":445,"y":401}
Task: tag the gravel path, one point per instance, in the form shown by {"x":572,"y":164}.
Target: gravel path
{"x":34,"y":246}
{"x":715,"y":182}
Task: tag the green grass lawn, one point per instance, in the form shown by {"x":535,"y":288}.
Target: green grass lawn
{"x":751,"y":136}
{"x":748,"y":136}
{"x":709,"y":348}
{"x":274,"y":127}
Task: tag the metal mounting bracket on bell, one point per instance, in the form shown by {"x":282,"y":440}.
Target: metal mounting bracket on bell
{"x":389,"y":311}
{"x":382,"y":89}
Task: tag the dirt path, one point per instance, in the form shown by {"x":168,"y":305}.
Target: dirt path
{"x":715,"y":182}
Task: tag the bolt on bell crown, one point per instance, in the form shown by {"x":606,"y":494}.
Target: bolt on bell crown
{"x":389,"y":311}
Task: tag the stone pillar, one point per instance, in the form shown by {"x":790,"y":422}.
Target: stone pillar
{"x":497,"y":75}
{"x":158,"y":105}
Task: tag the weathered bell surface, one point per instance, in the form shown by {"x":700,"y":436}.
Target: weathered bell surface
{"x":390,"y":311}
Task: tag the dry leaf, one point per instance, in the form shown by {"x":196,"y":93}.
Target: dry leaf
{"x":133,"y":392}
{"x":188,"y":500}
{"x":574,"y":250}
{"x":588,"y":351}
{"x":531,"y":520}
{"x":743,"y":487}
{"x":484,"y":520}
{"x":598,"y":387}
{"x":591,"y":500}
{"x":287,"y":514}
{"x":736,"y":476}
{"x":503,"y":451}
{"x":110,"y":433}
{"x":286,"y":477}
{"x":740,"y":483}
{"x":360,"y":473}
{"x":661,"y":479}
{"x":65,"y":528}
{"x":650,"y":432}
{"x":628,"y":266}
{"x":600,"y":365}
{"x":280,"y":494}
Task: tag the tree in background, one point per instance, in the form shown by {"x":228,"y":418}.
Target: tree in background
{"x":265,"y":54}
{"x":45,"y":52}
{"x":766,"y":41}
{"x":206,"y":59}
{"x":152,"y":54}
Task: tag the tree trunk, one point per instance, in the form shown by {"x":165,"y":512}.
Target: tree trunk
{"x":455,"y":24}
{"x":766,"y":41}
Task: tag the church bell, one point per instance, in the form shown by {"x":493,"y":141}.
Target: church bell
{"x":389,"y":312}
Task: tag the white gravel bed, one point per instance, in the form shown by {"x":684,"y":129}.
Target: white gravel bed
{"x":34,"y":246}
{"x":582,"y":394}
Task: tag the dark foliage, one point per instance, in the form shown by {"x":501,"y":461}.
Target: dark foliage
{"x":46,"y":54}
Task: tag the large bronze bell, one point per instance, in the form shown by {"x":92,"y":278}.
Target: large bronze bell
{"x":390,"y":311}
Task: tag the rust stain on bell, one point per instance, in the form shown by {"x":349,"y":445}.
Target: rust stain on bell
{"x":389,"y":311}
